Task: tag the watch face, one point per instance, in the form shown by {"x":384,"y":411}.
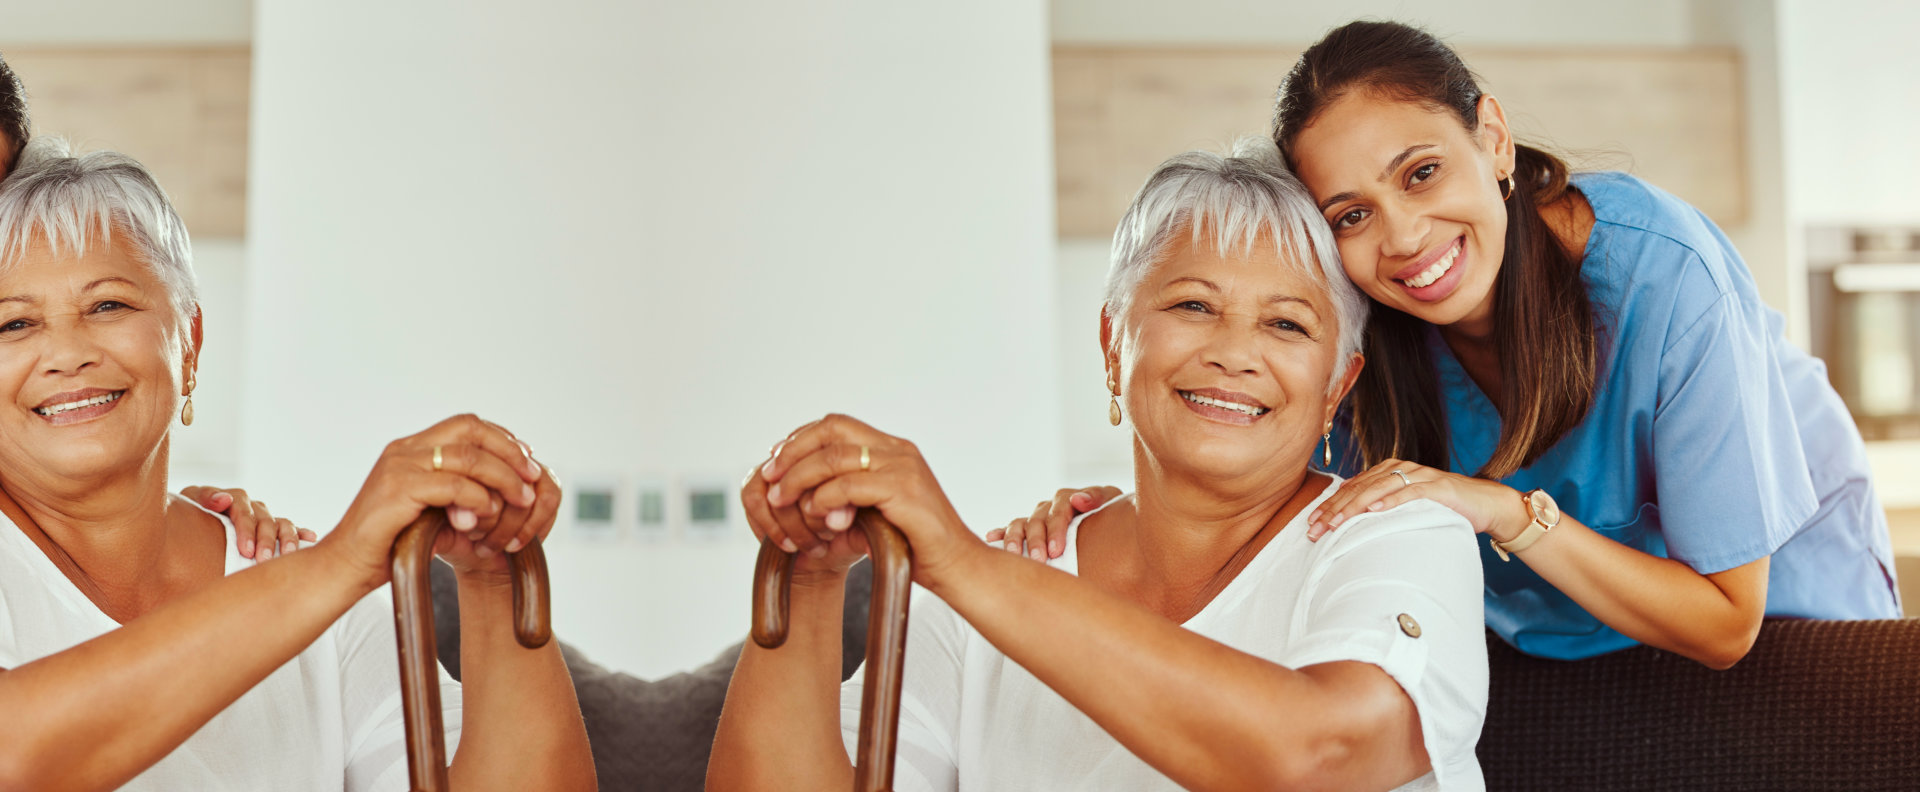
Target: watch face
{"x":1544,"y":509}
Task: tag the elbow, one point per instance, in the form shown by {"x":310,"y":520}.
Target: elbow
{"x":1727,"y":649}
{"x":1725,"y":655}
{"x":1317,"y":763}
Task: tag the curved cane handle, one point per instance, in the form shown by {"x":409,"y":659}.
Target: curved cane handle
{"x":886,"y":637}
{"x":419,"y":654}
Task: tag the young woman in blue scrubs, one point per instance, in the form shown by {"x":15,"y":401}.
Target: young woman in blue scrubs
{"x":1581,"y":366}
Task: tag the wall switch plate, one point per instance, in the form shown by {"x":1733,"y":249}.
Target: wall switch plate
{"x":710,"y":503}
{"x":595,"y":507}
{"x":653,"y":498}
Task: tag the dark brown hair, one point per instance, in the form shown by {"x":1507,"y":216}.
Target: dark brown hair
{"x":13,"y":117}
{"x":1543,"y":322}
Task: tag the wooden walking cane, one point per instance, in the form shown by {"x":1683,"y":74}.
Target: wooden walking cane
{"x":419,"y":656}
{"x":886,"y":637}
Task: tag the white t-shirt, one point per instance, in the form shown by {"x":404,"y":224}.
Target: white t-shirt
{"x":972,"y":719}
{"x":329,"y":719}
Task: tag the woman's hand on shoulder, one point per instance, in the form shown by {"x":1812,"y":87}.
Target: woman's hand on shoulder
{"x":827,"y":470}
{"x":258,"y":534}
{"x":1046,"y":530}
{"x":1490,"y":506}
{"x":494,"y":492}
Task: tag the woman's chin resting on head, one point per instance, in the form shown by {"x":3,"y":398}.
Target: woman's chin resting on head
{"x":138,"y":648}
{"x":1188,"y":635}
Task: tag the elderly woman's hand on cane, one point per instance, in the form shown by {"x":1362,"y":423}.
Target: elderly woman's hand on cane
{"x":825,"y":471}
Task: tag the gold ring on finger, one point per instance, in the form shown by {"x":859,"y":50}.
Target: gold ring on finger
{"x":1404,"y":482}
{"x":436,"y":458}
{"x":866,"y":459}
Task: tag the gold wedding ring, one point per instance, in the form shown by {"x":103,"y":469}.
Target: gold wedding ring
{"x":866,"y":460}
{"x":1404,"y":482}
{"x":436,"y":457}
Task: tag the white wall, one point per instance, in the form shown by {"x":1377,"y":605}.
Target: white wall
{"x":205,"y":452}
{"x":1767,"y":240}
{"x":651,"y":238}
{"x":1095,"y":452}
{"x":136,"y":22}
{"x":1852,"y":110}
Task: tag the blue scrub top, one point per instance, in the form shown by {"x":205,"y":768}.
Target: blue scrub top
{"x":1712,"y":440}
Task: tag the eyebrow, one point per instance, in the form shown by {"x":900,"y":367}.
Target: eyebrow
{"x":1277,"y":298}
{"x":1385,"y":173}
{"x":21,"y":298}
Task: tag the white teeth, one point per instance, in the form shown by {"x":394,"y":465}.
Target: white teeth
{"x":1225,"y":405}
{"x":75,"y":405}
{"x":1433,"y":273}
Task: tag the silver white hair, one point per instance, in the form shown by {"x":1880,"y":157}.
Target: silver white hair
{"x":1239,"y":198}
{"x":74,"y":202}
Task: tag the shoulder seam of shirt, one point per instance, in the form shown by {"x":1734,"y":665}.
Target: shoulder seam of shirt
{"x":1717,"y":306}
{"x":1669,"y":234}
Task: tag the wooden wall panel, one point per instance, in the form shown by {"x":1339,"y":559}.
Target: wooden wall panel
{"x":1672,"y":117}
{"x":180,"y":111}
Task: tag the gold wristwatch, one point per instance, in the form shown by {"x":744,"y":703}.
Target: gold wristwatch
{"x":1544,"y":513}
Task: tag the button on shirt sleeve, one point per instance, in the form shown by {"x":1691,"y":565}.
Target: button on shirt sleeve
{"x":1401,"y":590}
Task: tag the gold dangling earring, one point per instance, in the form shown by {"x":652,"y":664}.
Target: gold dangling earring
{"x":186,"y":412}
{"x":1506,"y":188}
{"x":1326,"y":451}
{"x":1113,"y":401}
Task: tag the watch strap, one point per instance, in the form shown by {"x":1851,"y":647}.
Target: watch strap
{"x":1535,"y":530}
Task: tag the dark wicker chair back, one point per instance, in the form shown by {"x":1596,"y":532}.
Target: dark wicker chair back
{"x":1816,"y":705}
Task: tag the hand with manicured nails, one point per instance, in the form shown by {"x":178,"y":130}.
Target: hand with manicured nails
{"x":496,"y":496}
{"x":1493,"y":508}
{"x":804,"y":498}
{"x":257,"y":534}
{"x":1046,"y":531}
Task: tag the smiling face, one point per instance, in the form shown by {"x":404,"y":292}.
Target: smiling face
{"x":1224,"y":362}
{"x":1414,"y":201}
{"x":92,"y":361}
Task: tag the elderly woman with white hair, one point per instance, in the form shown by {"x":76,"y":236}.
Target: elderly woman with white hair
{"x":1189,"y":635}
{"x":138,"y":649}
{"x":257,"y":532}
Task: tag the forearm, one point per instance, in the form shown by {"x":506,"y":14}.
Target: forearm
{"x":1205,"y":714}
{"x":98,"y":714}
{"x":520,"y":725}
{"x":780,"y":727}
{"x":1657,"y":601}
